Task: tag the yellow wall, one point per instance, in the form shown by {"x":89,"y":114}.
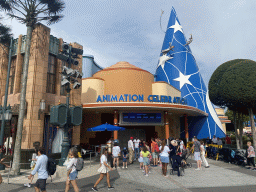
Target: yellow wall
{"x":91,"y":88}
{"x":162,"y":88}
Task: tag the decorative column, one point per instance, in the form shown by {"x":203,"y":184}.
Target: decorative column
{"x":166,"y":125}
{"x":186,"y":126}
{"x":115,"y":124}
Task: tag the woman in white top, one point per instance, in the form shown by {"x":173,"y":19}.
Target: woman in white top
{"x":202,"y":154}
{"x":164,"y":155}
{"x":116,"y":152}
{"x":104,"y":167}
{"x":71,"y":168}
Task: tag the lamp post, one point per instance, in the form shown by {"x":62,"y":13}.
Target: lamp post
{"x":2,"y":167}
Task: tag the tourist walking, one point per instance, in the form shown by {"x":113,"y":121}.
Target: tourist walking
{"x":103,"y":170}
{"x":1,"y":162}
{"x":164,"y":155}
{"x":251,"y":155}
{"x":202,"y":155}
{"x":41,"y":170}
{"x":145,"y":155}
{"x":116,"y":153}
{"x":173,"y":149}
{"x":196,"y":147}
{"x":136,"y":143}
{"x":131,"y":150}
{"x":72,"y":173}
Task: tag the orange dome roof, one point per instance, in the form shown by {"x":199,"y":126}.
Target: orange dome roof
{"x":122,"y":64}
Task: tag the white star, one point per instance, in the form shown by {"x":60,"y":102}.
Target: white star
{"x":176,"y":27}
{"x":163,"y":59}
{"x":183,"y":79}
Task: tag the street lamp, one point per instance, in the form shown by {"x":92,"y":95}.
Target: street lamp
{"x":41,"y":108}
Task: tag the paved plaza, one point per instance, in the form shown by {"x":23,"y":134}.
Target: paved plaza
{"x":220,"y":176}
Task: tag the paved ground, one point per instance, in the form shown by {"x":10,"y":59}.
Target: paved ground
{"x":219,"y":177}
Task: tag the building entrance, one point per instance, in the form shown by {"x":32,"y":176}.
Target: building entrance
{"x":141,"y":132}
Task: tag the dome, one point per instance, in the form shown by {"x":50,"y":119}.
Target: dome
{"x":122,"y":64}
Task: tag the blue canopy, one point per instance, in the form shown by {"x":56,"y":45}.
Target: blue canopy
{"x":106,"y":127}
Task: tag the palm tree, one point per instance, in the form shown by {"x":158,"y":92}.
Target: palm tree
{"x":5,"y":34}
{"x":29,"y":12}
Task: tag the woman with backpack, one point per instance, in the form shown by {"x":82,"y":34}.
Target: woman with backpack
{"x":72,"y":173}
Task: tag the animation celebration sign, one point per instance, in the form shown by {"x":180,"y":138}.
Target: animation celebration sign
{"x":177,"y":66}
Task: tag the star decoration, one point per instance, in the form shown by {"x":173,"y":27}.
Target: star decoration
{"x":163,"y":59}
{"x":183,"y":79}
{"x":176,"y":27}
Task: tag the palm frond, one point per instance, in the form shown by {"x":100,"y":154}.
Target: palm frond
{"x":5,"y":34}
{"x":55,"y":7}
{"x":6,"y":5}
{"x":54,"y":19}
{"x":22,"y":20}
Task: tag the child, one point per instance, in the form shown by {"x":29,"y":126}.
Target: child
{"x":32,"y":165}
{"x":125,"y":154}
{"x":103,"y":170}
{"x":71,"y":167}
{"x":141,"y":159}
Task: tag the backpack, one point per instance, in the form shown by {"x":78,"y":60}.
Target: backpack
{"x":79,"y":164}
{"x":51,"y":166}
{"x":156,"y":148}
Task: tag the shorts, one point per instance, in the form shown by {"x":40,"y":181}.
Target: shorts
{"x":197,"y":156}
{"x":141,"y":159}
{"x":41,"y":184}
{"x":154,"y":155}
{"x":145,"y":161}
{"x":164,"y":159}
{"x":124,"y":159}
{"x":115,"y":156}
{"x":73,"y":175}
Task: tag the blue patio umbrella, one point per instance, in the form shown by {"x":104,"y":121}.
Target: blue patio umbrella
{"x":106,"y":127}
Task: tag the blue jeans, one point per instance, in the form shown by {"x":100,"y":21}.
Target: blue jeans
{"x":136,"y":150}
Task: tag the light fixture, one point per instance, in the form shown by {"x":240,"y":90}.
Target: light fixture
{"x":41,"y":108}
{"x":8,"y":113}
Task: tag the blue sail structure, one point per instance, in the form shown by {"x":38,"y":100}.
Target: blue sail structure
{"x":177,"y":66}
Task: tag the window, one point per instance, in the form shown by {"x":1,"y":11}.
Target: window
{"x":12,"y":75}
{"x":63,"y":88}
{"x":51,"y":74}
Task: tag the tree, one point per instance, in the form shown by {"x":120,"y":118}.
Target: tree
{"x":29,"y":12}
{"x":5,"y":33}
{"x":235,"y":88}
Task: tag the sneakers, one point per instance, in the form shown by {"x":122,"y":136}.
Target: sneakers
{"x":122,"y":167}
{"x":109,"y":188}
{"x":126,"y":167}
{"x":94,"y":189}
{"x":27,"y":185}
{"x":166,"y":176}
{"x":207,"y":166}
{"x":146,"y":175}
{"x":143,"y":171}
{"x":149,"y":172}
{"x":198,"y":169}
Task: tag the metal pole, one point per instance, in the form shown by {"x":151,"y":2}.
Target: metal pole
{"x":65,"y":143}
{"x":2,"y":167}
{"x":90,"y":159}
{"x":9,"y":172}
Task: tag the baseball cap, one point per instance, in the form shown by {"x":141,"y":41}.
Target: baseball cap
{"x":131,"y":137}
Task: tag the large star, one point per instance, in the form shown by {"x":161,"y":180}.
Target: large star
{"x":176,"y":27}
{"x":183,"y":79}
{"x":163,"y":59}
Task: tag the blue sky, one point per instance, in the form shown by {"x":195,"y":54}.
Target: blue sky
{"x":114,"y":30}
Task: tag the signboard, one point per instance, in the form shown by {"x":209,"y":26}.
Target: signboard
{"x":138,"y":119}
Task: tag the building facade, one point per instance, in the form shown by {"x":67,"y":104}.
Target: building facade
{"x":128,"y":96}
{"x":43,"y":85}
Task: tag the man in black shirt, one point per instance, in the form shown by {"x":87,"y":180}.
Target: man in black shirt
{"x":176,"y":160}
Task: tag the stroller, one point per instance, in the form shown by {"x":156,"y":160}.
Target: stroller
{"x":240,"y":157}
{"x":185,"y":154}
{"x":177,"y":166}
